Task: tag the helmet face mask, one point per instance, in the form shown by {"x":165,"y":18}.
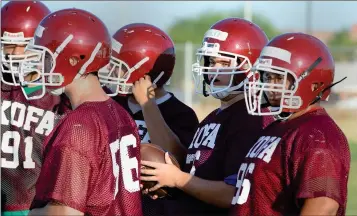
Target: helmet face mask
{"x":59,"y":58}
{"x":236,"y":40}
{"x":201,"y":70}
{"x":278,"y":94}
{"x":10,"y":62}
{"x":42,"y":64}
{"x":139,"y":49}
{"x":16,"y":34}
{"x":305,"y":70}
{"x":117,"y":74}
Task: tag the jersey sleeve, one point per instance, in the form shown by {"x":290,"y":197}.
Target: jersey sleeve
{"x":320,"y":168}
{"x":66,"y":172}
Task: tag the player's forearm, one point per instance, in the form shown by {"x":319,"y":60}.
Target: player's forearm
{"x":160,"y":133}
{"x":320,"y":206}
{"x":50,"y":209}
{"x":215,"y":193}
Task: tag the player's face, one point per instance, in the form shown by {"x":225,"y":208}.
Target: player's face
{"x":14,"y":49}
{"x":217,"y":62}
{"x":120,"y":72}
{"x":117,"y":71}
{"x":274,"y":97}
{"x":17,"y":50}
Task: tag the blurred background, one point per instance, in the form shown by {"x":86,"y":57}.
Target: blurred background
{"x":186,"y":22}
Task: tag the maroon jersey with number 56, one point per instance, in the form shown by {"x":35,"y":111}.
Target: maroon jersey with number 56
{"x":306,"y":157}
{"x":91,"y":162}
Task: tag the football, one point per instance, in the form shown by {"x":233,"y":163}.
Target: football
{"x":152,"y":152}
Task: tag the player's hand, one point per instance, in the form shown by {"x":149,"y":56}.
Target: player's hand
{"x":166,"y":175}
{"x":146,"y":192}
{"x":143,"y":90}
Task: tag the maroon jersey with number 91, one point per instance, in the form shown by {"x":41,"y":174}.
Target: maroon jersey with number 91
{"x":91,"y":162}
{"x":303,"y":158}
{"x":24,"y":126}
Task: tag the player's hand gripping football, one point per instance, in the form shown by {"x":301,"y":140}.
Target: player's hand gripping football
{"x":165,"y":174}
{"x":143,"y":90}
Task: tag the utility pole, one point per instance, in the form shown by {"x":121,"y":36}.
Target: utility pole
{"x":248,"y":11}
{"x":309,"y":17}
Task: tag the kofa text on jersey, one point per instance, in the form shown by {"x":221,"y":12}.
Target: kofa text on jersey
{"x":264,"y":148}
{"x":205,"y":136}
{"x":20,"y":115}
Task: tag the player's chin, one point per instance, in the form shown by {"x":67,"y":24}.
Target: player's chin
{"x":274,"y":101}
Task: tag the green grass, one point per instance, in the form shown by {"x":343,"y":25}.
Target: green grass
{"x":352,"y":181}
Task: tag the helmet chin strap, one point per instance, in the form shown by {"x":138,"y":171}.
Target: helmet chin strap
{"x":283,"y":116}
{"x":222,"y":94}
{"x":58,"y":91}
{"x":158,"y":78}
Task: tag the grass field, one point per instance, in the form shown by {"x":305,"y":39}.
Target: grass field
{"x":348,"y":122}
{"x":352,"y":183}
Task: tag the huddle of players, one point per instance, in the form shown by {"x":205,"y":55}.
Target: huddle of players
{"x":68,"y":148}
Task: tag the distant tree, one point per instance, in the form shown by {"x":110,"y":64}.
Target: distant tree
{"x":193,"y":29}
{"x":343,"y":48}
{"x":342,"y":38}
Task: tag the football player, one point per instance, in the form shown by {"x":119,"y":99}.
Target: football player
{"x":91,"y":158}
{"x":229,"y":49}
{"x":300,"y":164}
{"x":142,"y":61}
{"x":24,"y":123}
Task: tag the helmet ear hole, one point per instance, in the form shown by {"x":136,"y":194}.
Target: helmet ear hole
{"x":316,"y":86}
{"x":73,"y":61}
{"x":82,"y":57}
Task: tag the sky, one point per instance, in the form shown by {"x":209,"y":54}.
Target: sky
{"x":326,"y":16}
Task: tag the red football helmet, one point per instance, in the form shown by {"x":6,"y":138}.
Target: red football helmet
{"x":234,"y":39}
{"x":19,"y":20}
{"x":305,"y":59}
{"x":138,"y":49}
{"x":68,"y":44}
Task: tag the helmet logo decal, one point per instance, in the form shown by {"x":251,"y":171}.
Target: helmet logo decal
{"x":216,"y":34}
{"x":14,"y":35}
{"x":267,"y":62}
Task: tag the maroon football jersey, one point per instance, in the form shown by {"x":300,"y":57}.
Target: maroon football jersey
{"x":217,"y":149}
{"x":180,"y":118}
{"x":303,"y":158}
{"x":24,"y":126}
{"x":91,"y":162}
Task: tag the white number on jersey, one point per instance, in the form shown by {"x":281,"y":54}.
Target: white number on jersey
{"x":127,"y":163}
{"x":243,"y":184}
{"x":14,"y":150}
{"x":197,"y":157}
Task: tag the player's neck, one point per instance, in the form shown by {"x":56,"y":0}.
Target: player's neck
{"x":307,"y":110}
{"x":231,"y":99}
{"x":85,"y":89}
